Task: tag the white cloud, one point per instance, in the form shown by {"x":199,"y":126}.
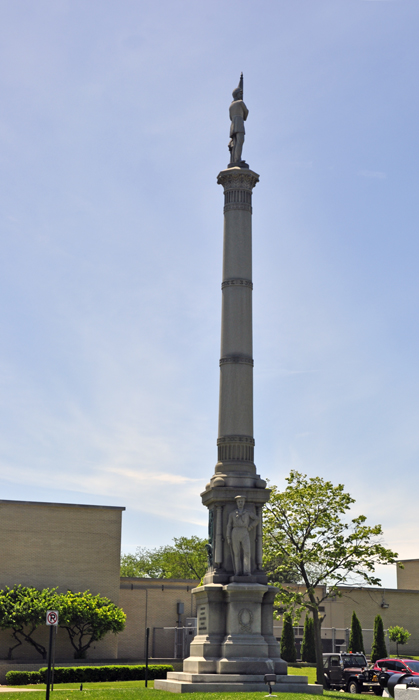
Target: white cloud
{"x":374,"y":174}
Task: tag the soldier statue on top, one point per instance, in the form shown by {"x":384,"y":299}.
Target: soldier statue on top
{"x":238,"y":115}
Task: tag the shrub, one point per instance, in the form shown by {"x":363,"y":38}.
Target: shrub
{"x":379,"y":649}
{"x":104,"y":674}
{"x":308,"y":647}
{"x":23,"y":677}
{"x":288,"y":650}
{"x":356,"y":641}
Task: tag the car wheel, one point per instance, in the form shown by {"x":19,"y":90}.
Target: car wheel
{"x":377,"y":691}
{"x":326,"y":683}
{"x":354,"y":687}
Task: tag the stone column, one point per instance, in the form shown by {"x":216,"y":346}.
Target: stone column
{"x":235,"y":422}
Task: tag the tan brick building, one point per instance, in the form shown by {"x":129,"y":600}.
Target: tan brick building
{"x":153,"y":603}
{"x":74,"y":547}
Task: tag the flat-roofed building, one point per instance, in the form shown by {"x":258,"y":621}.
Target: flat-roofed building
{"x":70,"y":546}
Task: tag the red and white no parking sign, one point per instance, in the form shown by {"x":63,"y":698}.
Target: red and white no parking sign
{"x":52,"y":618}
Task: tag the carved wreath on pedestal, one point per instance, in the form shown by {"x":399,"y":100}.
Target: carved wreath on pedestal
{"x":245,"y":617}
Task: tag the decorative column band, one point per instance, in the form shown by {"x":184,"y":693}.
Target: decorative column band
{"x":237,"y":360}
{"x":237,"y":282}
{"x":243,"y":207}
{"x":237,"y":199}
{"x":235,"y":448}
{"x":224,"y":439}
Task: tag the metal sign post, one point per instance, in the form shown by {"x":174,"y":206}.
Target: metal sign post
{"x":147,"y":637}
{"x":51,"y":621}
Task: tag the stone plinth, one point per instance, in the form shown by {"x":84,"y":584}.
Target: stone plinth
{"x":234,"y":683}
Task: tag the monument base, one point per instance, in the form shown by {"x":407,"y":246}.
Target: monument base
{"x":235,"y":646}
{"x":233,"y":683}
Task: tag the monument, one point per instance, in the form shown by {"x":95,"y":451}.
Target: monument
{"x":235,"y":647}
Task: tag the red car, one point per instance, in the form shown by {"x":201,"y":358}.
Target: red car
{"x":409,"y":666}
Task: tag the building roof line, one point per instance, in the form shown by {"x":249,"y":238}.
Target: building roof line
{"x":65,"y":505}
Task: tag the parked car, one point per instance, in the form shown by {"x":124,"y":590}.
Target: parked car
{"x":349,"y":672}
{"x":409,"y":666}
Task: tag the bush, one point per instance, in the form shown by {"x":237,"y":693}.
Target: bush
{"x":356,"y":641}
{"x":308,"y":647}
{"x":23,"y":677}
{"x":104,"y":674}
{"x":288,"y":650}
{"x":379,"y":649}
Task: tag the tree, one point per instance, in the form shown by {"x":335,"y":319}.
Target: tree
{"x":23,"y":610}
{"x":271,"y":569}
{"x":304,"y":527}
{"x":288,"y":650}
{"x":186,"y":559}
{"x":379,"y":649}
{"x":87,"y":619}
{"x":308,"y":647}
{"x":399,"y":635}
{"x":356,"y":640}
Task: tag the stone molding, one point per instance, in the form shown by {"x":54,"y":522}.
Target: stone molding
{"x":238,"y":180}
{"x":233,"y":207}
{"x":224,"y":439}
{"x":237,"y":196}
{"x":236,"y":448}
{"x":237,"y":360}
{"x":237,"y":282}
{"x":237,"y":199}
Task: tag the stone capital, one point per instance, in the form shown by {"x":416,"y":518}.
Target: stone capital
{"x":237,"y":178}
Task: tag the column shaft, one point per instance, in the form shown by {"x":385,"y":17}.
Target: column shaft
{"x":235,"y":422}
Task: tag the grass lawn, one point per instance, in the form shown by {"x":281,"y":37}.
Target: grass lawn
{"x":122,"y":691}
{"x":135,"y":690}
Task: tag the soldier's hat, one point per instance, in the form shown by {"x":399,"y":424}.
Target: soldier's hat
{"x":239,"y":88}
{"x":237,"y":497}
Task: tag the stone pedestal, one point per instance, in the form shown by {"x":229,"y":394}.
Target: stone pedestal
{"x":234,"y":631}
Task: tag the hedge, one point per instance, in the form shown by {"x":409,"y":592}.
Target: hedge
{"x":88,"y":674}
{"x":23,"y":677}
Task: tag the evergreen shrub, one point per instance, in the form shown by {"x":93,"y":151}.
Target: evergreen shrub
{"x":379,"y":649}
{"x":288,"y":650}
{"x":308,"y":647}
{"x":356,"y":641}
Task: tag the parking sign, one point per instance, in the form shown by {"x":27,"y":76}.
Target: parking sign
{"x":52,"y":618}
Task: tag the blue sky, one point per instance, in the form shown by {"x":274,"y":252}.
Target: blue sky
{"x":113,"y":127}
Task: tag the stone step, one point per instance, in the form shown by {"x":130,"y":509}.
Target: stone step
{"x":229,"y":678}
{"x":227,"y":687}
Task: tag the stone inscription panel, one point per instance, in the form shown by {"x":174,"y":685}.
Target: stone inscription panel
{"x":202,"y":619}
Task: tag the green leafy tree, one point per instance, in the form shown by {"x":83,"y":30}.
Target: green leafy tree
{"x":399,"y":635}
{"x":356,"y":640}
{"x":87,"y":619}
{"x":306,"y":528}
{"x":22,"y":611}
{"x":379,"y":649}
{"x":185,"y":559}
{"x":275,"y":574}
{"x":308,"y":647}
{"x":288,"y":650}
